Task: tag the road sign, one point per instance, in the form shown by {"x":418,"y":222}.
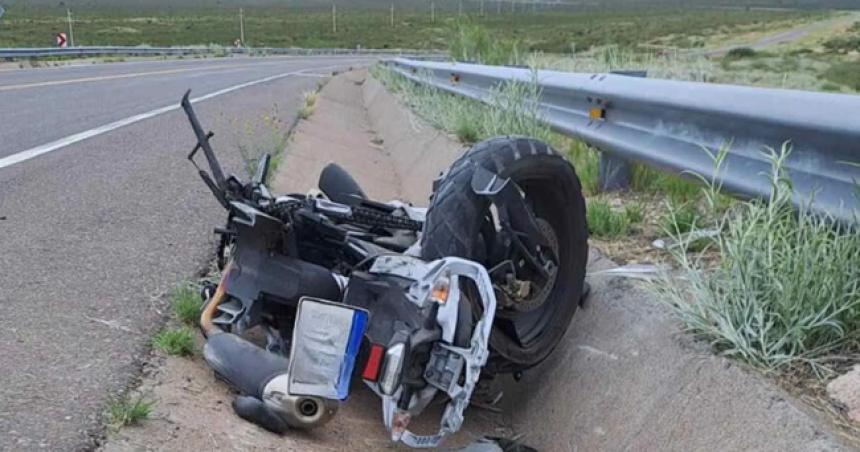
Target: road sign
{"x":61,"y":39}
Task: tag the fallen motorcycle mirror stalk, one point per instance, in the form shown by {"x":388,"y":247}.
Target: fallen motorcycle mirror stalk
{"x":338,"y":282}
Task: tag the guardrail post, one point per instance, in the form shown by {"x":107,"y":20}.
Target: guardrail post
{"x":614,"y":173}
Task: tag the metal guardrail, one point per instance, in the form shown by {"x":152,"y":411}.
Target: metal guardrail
{"x":679,"y":126}
{"x":126,"y":51}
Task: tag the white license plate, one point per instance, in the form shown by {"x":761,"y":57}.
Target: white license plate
{"x":326,"y":339}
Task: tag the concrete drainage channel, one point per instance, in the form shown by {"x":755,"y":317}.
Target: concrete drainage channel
{"x":624,"y":377}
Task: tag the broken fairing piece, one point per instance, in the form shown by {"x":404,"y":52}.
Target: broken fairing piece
{"x":456,"y":361}
{"x":635,"y":271}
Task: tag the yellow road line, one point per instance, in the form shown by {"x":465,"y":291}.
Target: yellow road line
{"x":112,"y":77}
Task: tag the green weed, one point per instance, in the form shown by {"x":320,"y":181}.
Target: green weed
{"x":186,"y":304}
{"x":635,"y":212}
{"x":511,"y":108}
{"x":680,"y":218}
{"x":785,"y":290}
{"x":586,"y":161}
{"x":125,"y":410}
{"x":176,"y":342}
{"x":607,"y":223}
{"x":648,"y":180}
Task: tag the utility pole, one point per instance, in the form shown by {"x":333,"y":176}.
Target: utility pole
{"x":460,"y":10}
{"x":242,"y":26}
{"x":334,"y":18}
{"x":482,"y":8}
{"x":392,"y":15}
{"x":513,"y":6}
{"x":433,"y":12}
{"x":534,"y":7}
{"x":499,"y":7}
{"x":71,"y":31}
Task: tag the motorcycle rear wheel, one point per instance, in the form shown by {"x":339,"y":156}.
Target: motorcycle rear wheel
{"x":457,"y":219}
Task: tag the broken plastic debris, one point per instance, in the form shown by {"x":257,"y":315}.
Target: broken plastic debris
{"x":636,"y":271}
{"x":672,"y":242}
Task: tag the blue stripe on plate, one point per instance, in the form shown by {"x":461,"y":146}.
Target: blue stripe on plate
{"x":359,"y":322}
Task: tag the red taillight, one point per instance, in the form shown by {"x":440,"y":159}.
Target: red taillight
{"x":374,"y":362}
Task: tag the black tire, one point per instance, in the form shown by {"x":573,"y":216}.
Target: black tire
{"x":552,"y":188}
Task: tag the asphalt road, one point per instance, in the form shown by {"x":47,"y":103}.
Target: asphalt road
{"x":788,"y":36}
{"x":100,"y":216}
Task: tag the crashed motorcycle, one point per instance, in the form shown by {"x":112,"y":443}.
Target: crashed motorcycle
{"x":320,"y":292}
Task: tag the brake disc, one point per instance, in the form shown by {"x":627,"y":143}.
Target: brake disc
{"x":534,"y":299}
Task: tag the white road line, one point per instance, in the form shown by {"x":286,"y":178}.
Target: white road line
{"x":71,"y":139}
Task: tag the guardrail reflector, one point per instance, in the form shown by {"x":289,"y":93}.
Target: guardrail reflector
{"x":597,"y":114}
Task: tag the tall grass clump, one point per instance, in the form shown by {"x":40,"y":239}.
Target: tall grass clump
{"x":127,"y":410}
{"x":604,"y":222}
{"x":587,"y":164}
{"x":473,"y":43}
{"x":511,"y":108}
{"x":785,"y":290}
{"x":186,"y":304}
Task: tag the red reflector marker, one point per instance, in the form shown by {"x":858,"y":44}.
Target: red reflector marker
{"x":374,"y":362}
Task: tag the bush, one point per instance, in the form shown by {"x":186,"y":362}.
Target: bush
{"x":739,"y":53}
{"x":785,"y":290}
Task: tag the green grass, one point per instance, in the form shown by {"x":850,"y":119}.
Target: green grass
{"x":785,"y":291}
{"x":604,"y":222}
{"x":126,"y":410}
{"x":586,"y":161}
{"x":186,"y":304}
{"x":635,"y":212}
{"x":291,"y":26}
{"x":845,"y":73}
{"x":510,"y":111}
{"x":680,"y":218}
{"x":176,"y":342}
{"x":677,"y":189}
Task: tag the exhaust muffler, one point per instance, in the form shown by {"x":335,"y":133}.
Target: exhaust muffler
{"x":261,"y":377}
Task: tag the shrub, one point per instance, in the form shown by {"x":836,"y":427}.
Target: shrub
{"x":785,"y":289}
{"x":739,"y":53}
